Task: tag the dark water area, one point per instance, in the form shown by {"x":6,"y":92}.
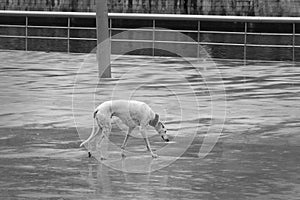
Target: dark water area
{"x":251,"y":108}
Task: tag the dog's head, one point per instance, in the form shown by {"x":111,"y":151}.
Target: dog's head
{"x":160,"y":128}
{"x":162,"y":131}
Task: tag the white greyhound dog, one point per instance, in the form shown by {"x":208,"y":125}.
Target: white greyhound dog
{"x":133,"y":114}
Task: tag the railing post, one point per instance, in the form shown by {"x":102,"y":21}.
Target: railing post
{"x":198,"y":38}
{"x":153,"y":37}
{"x":69,"y":26}
{"x":26,"y":33}
{"x":110,"y":28}
{"x":294,"y":38}
{"x":245,"y":41}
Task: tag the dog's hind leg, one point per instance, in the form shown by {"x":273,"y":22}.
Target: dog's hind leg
{"x":92,"y":135}
{"x":125,"y":141}
{"x":91,"y":141}
{"x":105,"y":133}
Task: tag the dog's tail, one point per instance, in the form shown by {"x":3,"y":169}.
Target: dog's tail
{"x":93,"y":131}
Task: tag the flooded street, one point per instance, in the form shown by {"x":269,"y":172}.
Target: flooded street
{"x":247,"y":113}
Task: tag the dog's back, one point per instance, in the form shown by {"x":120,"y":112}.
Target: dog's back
{"x":131,"y":112}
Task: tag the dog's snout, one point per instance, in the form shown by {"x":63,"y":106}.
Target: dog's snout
{"x":165,"y":139}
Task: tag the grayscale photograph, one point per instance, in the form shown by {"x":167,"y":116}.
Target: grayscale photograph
{"x":150,"y":99}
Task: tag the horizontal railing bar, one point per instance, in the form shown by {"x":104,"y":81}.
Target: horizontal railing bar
{"x":12,"y":26}
{"x":44,"y":37}
{"x":47,"y":38}
{"x":170,"y":30}
{"x":156,"y":41}
{"x":59,"y":38}
{"x":89,"y":39}
{"x":270,"y":34}
{"x":137,"y":29}
{"x":205,"y":18}
{"x":221,"y":44}
{"x":151,"y":30}
{"x":62,"y":27}
{"x":124,"y":40}
{"x":269,"y":45}
{"x":12,"y":36}
{"x":222,"y":32}
{"x":175,"y":42}
{"x":153,"y":16}
{"x":82,"y":28}
{"x":248,"y":33}
{"x":18,"y":13}
{"x":248,"y":45}
{"x":48,"y":27}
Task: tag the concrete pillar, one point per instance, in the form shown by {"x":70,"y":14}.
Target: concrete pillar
{"x":103,"y":47}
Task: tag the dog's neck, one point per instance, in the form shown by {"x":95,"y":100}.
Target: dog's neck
{"x":153,"y":122}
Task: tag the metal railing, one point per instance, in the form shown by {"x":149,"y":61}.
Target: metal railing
{"x":154,"y":18}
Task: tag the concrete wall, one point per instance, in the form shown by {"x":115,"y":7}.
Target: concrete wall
{"x":211,"y":7}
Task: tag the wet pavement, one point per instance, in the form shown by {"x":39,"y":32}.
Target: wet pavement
{"x":40,"y":164}
{"x":254,"y":107}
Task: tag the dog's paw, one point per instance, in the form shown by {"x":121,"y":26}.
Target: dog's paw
{"x":102,"y":158}
{"x":123,"y":152}
{"x":154,"y":155}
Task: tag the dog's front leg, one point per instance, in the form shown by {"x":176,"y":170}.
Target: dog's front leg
{"x":125,"y":141}
{"x":143,"y":132}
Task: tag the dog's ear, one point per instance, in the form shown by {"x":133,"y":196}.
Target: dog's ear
{"x":154,"y":121}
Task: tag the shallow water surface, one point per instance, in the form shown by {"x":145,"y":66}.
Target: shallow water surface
{"x":251,"y":109}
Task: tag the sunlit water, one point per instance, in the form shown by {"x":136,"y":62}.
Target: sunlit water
{"x":252,"y":108}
